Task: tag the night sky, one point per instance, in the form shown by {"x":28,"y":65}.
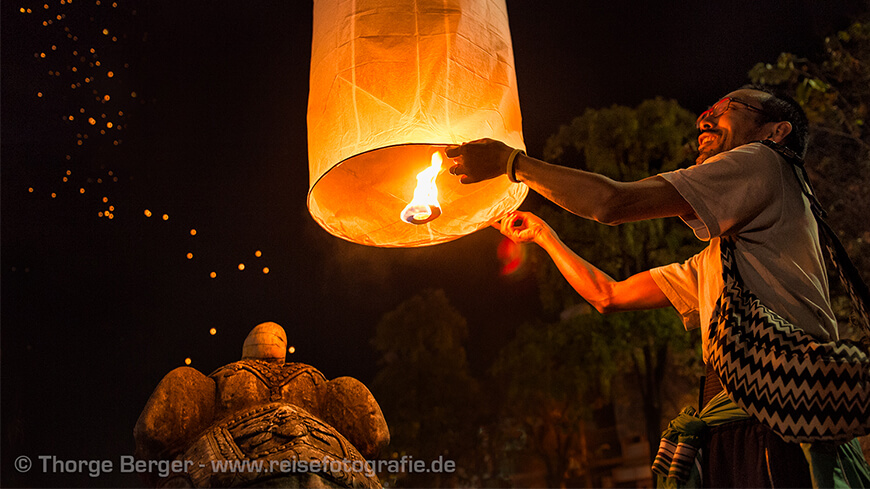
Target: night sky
{"x":136,"y":133}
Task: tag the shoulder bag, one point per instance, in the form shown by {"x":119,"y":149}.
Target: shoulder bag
{"x":804,"y":389}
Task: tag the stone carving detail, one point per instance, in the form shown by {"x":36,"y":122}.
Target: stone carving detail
{"x":260,"y":422}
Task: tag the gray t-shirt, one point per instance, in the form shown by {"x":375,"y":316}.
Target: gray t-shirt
{"x":750,"y":192}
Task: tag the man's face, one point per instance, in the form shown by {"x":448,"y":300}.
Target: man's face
{"x":735,"y":120}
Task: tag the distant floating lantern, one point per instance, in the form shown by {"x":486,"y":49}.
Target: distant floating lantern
{"x":393,"y":84}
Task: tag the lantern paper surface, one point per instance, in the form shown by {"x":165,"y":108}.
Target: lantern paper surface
{"x":392,"y":82}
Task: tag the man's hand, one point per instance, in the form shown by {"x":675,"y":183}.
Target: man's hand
{"x":479,"y":160}
{"x":523,"y":227}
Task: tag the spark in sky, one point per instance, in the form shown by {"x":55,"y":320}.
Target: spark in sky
{"x":87,"y":88}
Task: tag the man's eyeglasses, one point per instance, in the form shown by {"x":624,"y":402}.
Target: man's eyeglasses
{"x":723,"y":106}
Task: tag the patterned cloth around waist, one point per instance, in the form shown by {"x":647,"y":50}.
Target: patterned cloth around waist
{"x":677,"y":462}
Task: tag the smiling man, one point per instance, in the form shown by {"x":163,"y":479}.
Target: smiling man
{"x":740,"y":188}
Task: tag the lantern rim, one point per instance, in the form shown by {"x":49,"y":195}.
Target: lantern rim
{"x":311,"y":187}
{"x":346,"y":221}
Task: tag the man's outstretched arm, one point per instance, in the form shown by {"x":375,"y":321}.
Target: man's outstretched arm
{"x":586,"y":194}
{"x":601,"y":291}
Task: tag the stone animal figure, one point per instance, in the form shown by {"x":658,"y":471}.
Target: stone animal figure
{"x":260,"y":422}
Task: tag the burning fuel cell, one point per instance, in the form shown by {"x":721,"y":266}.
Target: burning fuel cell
{"x":424,"y":207}
{"x":392,"y":84}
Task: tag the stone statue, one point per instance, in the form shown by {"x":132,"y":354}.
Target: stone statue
{"x":260,"y":422}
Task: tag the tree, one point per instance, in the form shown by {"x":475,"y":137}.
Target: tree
{"x":555,"y":376}
{"x":428,"y":396}
{"x":835,"y":93}
{"x":629,"y":144}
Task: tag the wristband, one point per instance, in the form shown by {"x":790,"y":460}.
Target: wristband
{"x":511,"y":171}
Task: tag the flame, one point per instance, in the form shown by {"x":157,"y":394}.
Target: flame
{"x":424,"y":206}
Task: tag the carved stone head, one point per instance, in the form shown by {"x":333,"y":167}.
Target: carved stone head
{"x":267,"y":342}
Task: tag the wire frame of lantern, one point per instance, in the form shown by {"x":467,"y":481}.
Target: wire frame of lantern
{"x":392,"y":84}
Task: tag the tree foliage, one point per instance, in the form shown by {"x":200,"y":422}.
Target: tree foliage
{"x":833,"y":92}
{"x":431,"y":402}
{"x":555,"y":376}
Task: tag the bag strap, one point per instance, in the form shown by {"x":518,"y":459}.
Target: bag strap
{"x":847,"y":271}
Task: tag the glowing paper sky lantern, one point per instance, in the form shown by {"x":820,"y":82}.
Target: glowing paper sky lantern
{"x":392,"y":83}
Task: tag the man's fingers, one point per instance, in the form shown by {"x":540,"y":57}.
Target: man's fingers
{"x":459,"y":171}
{"x":453,"y":151}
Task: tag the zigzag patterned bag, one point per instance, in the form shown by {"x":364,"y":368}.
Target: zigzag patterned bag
{"x":803,"y":389}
